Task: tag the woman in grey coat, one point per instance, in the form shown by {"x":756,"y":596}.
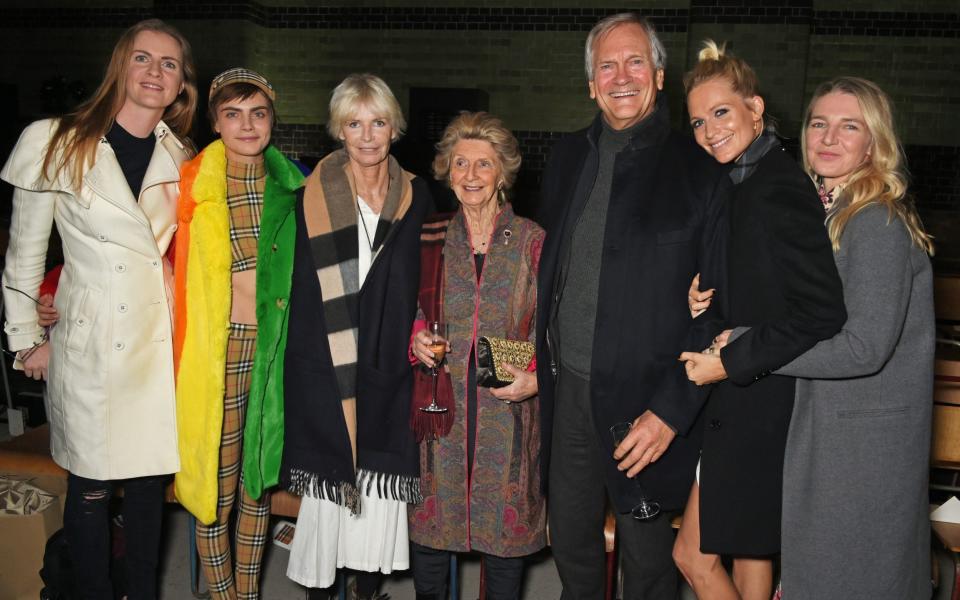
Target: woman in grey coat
{"x":855,"y":502}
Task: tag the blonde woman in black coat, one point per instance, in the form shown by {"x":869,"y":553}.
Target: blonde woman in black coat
{"x":783,"y":283}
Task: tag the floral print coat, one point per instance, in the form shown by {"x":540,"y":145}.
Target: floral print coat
{"x":499,"y":509}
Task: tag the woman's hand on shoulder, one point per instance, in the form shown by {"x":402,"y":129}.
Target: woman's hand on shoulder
{"x":524,"y":386}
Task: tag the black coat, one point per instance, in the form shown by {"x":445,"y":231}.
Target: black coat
{"x":665,"y":223}
{"x":783,"y":283}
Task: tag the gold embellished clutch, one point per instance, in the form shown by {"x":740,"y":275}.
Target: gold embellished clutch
{"x":492,"y":352}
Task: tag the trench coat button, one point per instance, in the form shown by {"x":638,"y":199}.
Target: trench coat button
{"x":14,"y":329}
{"x":81,"y":322}
{"x":281,"y":303}
{"x":155,"y":263}
{"x":120,"y":268}
{"x":122,"y":307}
{"x":714,"y":424}
{"x":273,"y":248}
{"x":119,"y":346}
{"x":101,"y":237}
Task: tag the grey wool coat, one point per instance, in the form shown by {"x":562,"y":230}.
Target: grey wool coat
{"x":855,"y":503}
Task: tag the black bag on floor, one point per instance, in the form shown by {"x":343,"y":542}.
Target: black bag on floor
{"x":57,"y":571}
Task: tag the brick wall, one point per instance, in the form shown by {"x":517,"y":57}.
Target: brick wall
{"x":527,"y":56}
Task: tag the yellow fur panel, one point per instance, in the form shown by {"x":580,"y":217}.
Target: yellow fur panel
{"x":200,"y":380}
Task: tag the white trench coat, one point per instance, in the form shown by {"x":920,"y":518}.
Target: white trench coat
{"x":110,"y":388}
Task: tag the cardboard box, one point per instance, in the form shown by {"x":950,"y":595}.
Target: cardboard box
{"x":23,"y":540}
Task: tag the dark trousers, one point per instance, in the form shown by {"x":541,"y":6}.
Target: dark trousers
{"x":86,"y":524}
{"x":367,"y":584}
{"x":502,"y":576}
{"x":576,"y":498}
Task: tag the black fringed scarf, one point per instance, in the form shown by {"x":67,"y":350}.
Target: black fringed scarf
{"x":325,"y":466}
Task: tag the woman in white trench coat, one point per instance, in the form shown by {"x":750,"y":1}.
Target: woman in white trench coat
{"x":107,"y":175}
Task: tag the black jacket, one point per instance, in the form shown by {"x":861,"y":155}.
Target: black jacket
{"x":783,"y":283}
{"x":665,"y":223}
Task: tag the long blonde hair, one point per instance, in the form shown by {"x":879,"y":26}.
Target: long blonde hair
{"x":73,"y":145}
{"x":881,"y":179}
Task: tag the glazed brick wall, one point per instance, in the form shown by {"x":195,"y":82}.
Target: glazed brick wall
{"x":527,"y":56}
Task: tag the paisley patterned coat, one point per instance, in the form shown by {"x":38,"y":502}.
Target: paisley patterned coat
{"x":500,"y":510}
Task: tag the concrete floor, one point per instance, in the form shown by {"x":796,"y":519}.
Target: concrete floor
{"x":540,"y":583}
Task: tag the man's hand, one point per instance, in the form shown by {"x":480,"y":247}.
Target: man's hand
{"x":703,"y":368}
{"x":524,"y":385}
{"x":648,"y":439}
{"x":46,"y":313}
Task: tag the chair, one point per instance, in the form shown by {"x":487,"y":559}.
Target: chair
{"x":945,"y":452}
{"x":945,"y":438}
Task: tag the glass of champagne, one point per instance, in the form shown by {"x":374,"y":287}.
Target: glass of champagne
{"x":645,"y":509}
{"x":438,"y":345}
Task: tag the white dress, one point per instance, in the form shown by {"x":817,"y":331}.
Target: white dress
{"x":328,"y":536}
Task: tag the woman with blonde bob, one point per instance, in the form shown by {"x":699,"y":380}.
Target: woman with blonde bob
{"x":479,"y":460}
{"x":107,"y":174}
{"x":336,"y":299}
{"x":855,"y":502}
{"x":782,"y":281}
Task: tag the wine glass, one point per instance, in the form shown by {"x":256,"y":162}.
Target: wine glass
{"x":438,"y":345}
{"x":645,"y":509}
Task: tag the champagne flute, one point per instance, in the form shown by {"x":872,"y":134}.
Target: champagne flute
{"x":438,"y":345}
{"x":645,"y":509}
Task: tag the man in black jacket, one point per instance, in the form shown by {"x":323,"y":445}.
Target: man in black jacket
{"x":632,"y":211}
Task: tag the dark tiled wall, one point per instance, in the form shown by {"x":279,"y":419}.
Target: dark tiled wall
{"x":527,"y":56}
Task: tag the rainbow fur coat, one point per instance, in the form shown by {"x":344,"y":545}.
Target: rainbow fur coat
{"x":202,"y":289}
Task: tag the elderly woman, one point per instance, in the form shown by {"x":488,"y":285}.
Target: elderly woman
{"x":107,"y":174}
{"x":224,"y":191}
{"x":860,"y":433}
{"x":481,"y":476}
{"x":336,"y":300}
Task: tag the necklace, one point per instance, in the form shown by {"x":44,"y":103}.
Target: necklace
{"x":363,"y":223}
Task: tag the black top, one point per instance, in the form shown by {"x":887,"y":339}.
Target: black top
{"x":133,"y":154}
{"x":577,"y":309}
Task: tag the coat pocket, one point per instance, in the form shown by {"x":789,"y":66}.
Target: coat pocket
{"x":82,"y":318}
{"x":872,"y":413}
{"x":677,"y":236}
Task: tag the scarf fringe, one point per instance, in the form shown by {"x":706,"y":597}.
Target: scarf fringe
{"x":405,"y":488}
{"x":344,"y":493}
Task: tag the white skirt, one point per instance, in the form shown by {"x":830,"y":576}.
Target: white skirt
{"x":328,"y":537}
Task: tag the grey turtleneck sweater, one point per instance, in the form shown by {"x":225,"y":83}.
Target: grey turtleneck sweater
{"x":577,"y":311}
